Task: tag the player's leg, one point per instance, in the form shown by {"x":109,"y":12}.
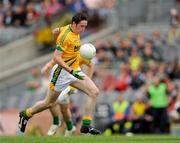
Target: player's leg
{"x":88,"y":86}
{"x":55,"y":112}
{"x":39,"y":106}
{"x":63,"y":100}
{"x":46,"y":103}
{"x":66,"y":113}
{"x":68,"y":120}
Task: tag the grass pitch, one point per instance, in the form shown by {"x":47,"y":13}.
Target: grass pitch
{"x":92,"y":139}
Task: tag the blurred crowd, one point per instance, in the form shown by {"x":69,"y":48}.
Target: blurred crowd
{"x":19,"y":18}
{"x":135,"y":66}
{"x":26,"y":12}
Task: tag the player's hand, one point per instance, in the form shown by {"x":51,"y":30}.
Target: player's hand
{"x":78,"y":74}
{"x":46,"y":69}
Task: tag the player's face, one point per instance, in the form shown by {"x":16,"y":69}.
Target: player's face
{"x":81,"y":26}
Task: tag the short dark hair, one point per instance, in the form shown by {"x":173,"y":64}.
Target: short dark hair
{"x":78,"y":17}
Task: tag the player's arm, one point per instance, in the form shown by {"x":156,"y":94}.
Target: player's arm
{"x":90,"y":69}
{"x":56,"y":32}
{"x":48,"y":66}
{"x":58,"y":52}
{"x":57,"y":59}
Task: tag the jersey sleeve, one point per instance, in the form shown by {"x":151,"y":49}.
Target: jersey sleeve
{"x":63,"y":39}
{"x":84,"y":61}
{"x":59,"y":47}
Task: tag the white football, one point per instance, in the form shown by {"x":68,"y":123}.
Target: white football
{"x":87,"y":51}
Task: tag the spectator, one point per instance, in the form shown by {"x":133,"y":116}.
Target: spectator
{"x":8,"y":18}
{"x":111,"y":48}
{"x":19,"y":16}
{"x":140,"y":42}
{"x":162,"y":71}
{"x":126,"y":46}
{"x":108,"y":81}
{"x":153,"y":67}
{"x":8,"y":5}
{"x":76,"y":5}
{"x":120,"y":56}
{"x":123,"y":78}
{"x":135,"y":60}
{"x":174,"y":17}
{"x":147,"y":56}
{"x":175,"y":111}
{"x":174,"y":70}
{"x":116,"y":38}
{"x":121,"y":112}
{"x":132,"y":37}
{"x":102,"y":57}
{"x":141,"y":121}
{"x":44,"y":37}
{"x":137,"y":80}
{"x":159,"y":103}
{"x":157,"y":39}
{"x":51,"y":7}
{"x":32,"y":15}
{"x":173,"y":36}
{"x":120,"y":107}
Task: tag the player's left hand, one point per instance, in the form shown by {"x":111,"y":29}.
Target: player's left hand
{"x":78,"y":74}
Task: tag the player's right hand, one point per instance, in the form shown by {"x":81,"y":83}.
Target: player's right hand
{"x":78,"y":74}
{"x":46,"y":69}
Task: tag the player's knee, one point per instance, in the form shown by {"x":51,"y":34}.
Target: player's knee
{"x":95,"y":92}
{"x":44,"y":104}
{"x":51,"y":105}
{"x":63,"y":110}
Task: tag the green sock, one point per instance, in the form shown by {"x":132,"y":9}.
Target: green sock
{"x":69,"y":125}
{"x":86,"y":122}
{"x":56,"y":120}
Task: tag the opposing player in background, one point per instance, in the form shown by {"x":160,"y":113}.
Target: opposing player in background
{"x":65,"y":73}
{"x":63,"y":101}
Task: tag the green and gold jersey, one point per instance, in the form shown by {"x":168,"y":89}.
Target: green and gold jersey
{"x":69,"y":43}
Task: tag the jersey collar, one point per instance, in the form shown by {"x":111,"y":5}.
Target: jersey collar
{"x":71,"y":29}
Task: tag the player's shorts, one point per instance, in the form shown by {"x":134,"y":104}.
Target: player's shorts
{"x":60,"y":79}
{"x":64,"y":96}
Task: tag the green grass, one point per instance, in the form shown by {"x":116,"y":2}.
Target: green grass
{"x":92,"y":139}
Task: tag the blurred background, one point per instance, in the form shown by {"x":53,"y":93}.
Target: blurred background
{"x":138,"y":51}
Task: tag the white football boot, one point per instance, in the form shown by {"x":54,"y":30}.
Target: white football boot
{"x":53,"y":129}
{"x":71,"y":132}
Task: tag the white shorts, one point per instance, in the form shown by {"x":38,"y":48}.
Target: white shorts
{"x":64,"y":97}
{"x":60,"y":79}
